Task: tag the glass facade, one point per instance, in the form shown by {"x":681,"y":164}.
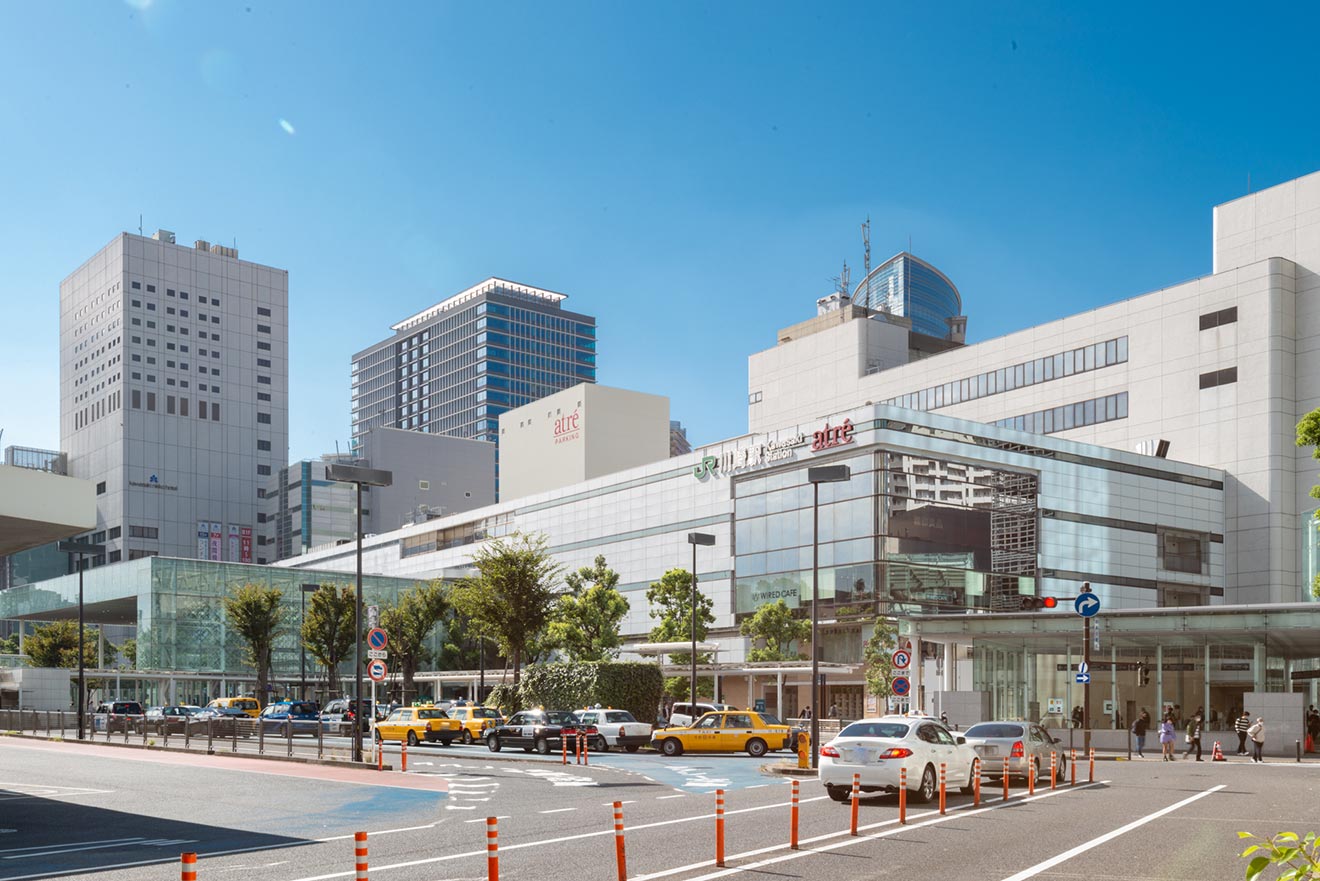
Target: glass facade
{"x":1076,"y":415}
{"x":908,"y":286}
{"x":906,"y":533}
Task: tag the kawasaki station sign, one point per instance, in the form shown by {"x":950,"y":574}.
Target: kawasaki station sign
{"x":731,"y":462}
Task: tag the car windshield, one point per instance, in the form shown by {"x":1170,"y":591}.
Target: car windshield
{"x":558,"y":717}
{"x":994,"y":729}
{"x":433,"y":713}
{"x":770,"y":719}
{"x":619,"y":716}
{"x":892,"y":730}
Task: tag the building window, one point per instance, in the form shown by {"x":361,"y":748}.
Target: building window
{"x":263,"y":470}
{"x":263,"y":380}
{"x":151,"y":289}
{"x":263,"y":362}
{"x":1220,"y":318}
{"x":183,"y":406}
{"x":151,"y":307}
{"x":754,"y":398}
{"x":263,"y":445}
{"x":1219,"y":377}
{"x":215,"y":319}
{"x":136,"y":398}
{"x":1182,"y":551}
{"x":263,"y":396}
{"x":151,"y":401}
{"x":263,"y":328}
{"x":201,"y":409}
{"x":215,"y":411}
{"x":262,"y":310}
{"x":183,"y":295}
{"x":169,"y":292}
{"x":261,"y":517}
{"x":264,"y":346}
{"x":114,"y":533}
{"x":137,"y":286}
{"x":169,"y":404}
{"x":116,"y":556}
{"x":263,"y":418}
{"x":143,"y":532}
{"x":100,"y":488}
{"x":215,"y":302}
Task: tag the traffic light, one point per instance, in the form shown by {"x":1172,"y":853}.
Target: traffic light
{"x":1035,"y":604}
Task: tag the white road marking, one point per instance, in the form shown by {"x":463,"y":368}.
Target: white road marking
{"x":610,"y":804}
{"x":460,"y":807}
{"x":483,"y":819}
{"x":54,"y":849}
{"x":557,"y":811}
{"x":1109,"y":836}
{"x":98,"y":841}
{"x":757,"y":786}
{"x":663,"y":797}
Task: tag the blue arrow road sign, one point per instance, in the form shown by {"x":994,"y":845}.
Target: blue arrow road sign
{"x":1086,"y":604}
{"x":1083,"y":678}
{"x":901,"y":686}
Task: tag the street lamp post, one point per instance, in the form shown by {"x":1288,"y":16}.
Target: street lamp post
{"x":359,"y":477}
{"x":694,"y":539}
{"x":816,"y":476}
{"x":302,"y":646}
{"x":81,"y":548}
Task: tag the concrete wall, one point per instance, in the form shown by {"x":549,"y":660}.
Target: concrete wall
{"x":1285,"y":720}
{"x":451,"y":474}
{"x":37,"y":507}
{"x":37,"y":688}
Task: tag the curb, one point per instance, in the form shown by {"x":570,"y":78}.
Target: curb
{"x":782,"y":770}
{"x":300,"y":760}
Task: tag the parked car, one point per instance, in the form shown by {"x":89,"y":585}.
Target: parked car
{"x":158,"y":720}
{"x":221,"y":722}
{"x":616,"y":728}
{"x":725,"y":731}
{"x":339,"y":714}
{"x":413,"y":724}
{"x":116,"y":716}
{"x":475,"y":720}
{"x":248,"y":705}
{"x":878,"y":749}
{"x":682,"y":715}
{"x":540,"y":730}
{"x":290,"y":717}
{"x":1026,"y":746}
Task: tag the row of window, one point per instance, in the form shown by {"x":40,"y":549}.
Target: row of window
{"x":1005,"y":379}
{"x":1219,"y":377}
{"x":1069,"y":416}
{"x":174,"y":406}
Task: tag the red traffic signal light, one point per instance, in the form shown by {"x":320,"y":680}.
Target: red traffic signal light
{"x":1049,"y":602}
{"x":1035,"y":604}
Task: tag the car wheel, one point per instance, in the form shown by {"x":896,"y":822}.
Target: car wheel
{"x":467,"y":737}
{"x":1063,"y":767}
{"x":971,"y":778}
{"x":412,"y":738}
{"x":378,"y":737}
{"x":493,"y":743}
{"x":839,"y":793}
{"x":756,"y":747}
{"x":601,"y":745}
{"x":671,"y":747}
{"x":632,"y":749}
{"x":1035,"y":769}
{"x":543,"y":746}
{"x":926,"y":789}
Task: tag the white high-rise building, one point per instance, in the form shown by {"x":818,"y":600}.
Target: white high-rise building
{"x":174,"y":388}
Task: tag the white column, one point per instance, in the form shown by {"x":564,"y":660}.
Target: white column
{"x":1113,"y":682}
{"x":1205,"y":690}
{"x":1159,"y":679}
{"x":779,"y":694}
{"x":915,"y":696}
{"x":1258,"y":666}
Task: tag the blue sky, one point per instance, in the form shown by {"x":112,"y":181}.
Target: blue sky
{"x":692,"y":174}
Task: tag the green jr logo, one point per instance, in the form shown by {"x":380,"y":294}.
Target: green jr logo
{"x":706,"y":468}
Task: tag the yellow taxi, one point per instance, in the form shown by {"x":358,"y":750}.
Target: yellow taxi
{"x":725,"y":731}
{"x":414,"y":724}
{"x":476,"y":721}
{"x":249,"y":705}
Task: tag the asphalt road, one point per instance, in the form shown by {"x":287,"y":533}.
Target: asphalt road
{"x":94,"y":811}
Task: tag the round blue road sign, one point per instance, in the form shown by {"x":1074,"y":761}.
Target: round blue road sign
{"x":901,"y":686}
{"x":1086,"y":604}
{"x":376,"y":638}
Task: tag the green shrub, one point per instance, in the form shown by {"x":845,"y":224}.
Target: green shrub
{"x":626,"y":685}
{"x":1298,"y":858}
{"x":505,"y":697}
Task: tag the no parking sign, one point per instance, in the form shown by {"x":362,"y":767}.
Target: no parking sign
{"x":901,"y":686}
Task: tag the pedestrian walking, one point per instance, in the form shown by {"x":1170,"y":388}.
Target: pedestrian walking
{"x":1313,"y":730}
{"x":1139,"y":729}
{"x":1240,"y":726}
{"x":1077,"y":717}
{"x":1257,"y":733}
{"x":1194,"y":728}
{"x":1167,"y":734}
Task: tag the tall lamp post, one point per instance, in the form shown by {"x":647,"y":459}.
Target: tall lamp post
{"x":816,"y":476}
{"x":81,"y":549}
{"x":705,"y":539}
{"x":302,"y":646}
{"x":359,"y":477}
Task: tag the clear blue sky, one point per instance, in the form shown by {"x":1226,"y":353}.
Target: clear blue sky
{"x":692,"y":174}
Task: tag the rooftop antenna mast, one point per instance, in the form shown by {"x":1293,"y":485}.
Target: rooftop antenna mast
{"x":139,"y":224}
{"x":866,"y":248}
{"x":843,"y":279}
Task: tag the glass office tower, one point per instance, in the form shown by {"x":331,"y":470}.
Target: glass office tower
{"x":909,"y":286}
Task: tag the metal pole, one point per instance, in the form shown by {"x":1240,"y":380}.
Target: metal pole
{"x":693,"y":710}
{"x":357,"y":636}
{"x":302,"y":648}
{"x":1086,"y":687}
{"x":82,"y":682}
{"x":815,"y":616}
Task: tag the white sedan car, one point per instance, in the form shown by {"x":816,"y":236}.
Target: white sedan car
{"x":878,"y":749}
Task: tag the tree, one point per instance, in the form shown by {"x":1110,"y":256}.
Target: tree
{"x":877,"y":658}
{"x":328,"y":628}
{"x":56,"y":645}
{"x":776,"y":624}
{"x":408,"y":624}
{"x":128,"y":649}
{"x":512,"y":597}
{"x":1308,"y":435}
{"x":254,"y":612}
{"x":671,"y":602}
{"x":586,"y":621}
{"x":9,"y":645}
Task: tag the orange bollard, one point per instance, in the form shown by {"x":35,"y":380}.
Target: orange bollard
{"x":586,"y":750}
{"x":856,"y":797}
{"x":719,"y":827}
{"x":492,"y":849}
{"x":1091,"y":775}
{"x":380,"y":755}
{"x":1072,"y":768}
{"x":563,"y":749}
{"x":793,"y":820}
{"x":403,"y":760}
{"x":360,"y":855}
{"x":188,"y":870}
{"x":944,"y":776}
{"x":618,"y":841}
{"x":1005,"y":778}
{"x":976,"y":783}
{"x":577,"y":747}
{"x":1054,"y":768}
{"x":902,"y":796}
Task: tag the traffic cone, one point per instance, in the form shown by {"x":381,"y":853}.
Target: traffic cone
{"x":1218,"y":754}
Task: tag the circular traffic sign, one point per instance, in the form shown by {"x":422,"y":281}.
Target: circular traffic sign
{"x":1086,"y":604}
{"x":377,"y":671}
{"x":901,"y":686}
{"x":377,"y":638}
{"x":901,"y":659}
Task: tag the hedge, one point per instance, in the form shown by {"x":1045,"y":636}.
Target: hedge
{"x":635,"y":686}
